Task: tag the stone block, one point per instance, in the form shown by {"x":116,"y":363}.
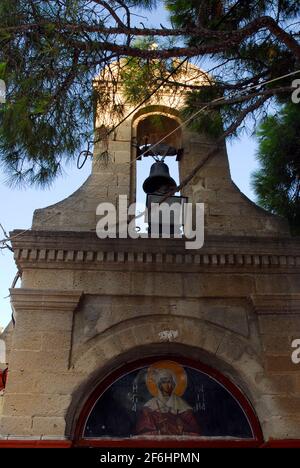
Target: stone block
{"x":127,"y":338}
{"x":281,"y":364}
{"x":214,"y":169}
{"x":124,"y":131}
{"x":232,"y":318}
{"x":120,"y":145}
{"x":277,"y":384}
{"x":124,"y":181}
{"x":215,"y":183}
{"x":281,"y":427}
{"x":230,"y":195}
{"x":221,"y":222}
{"x":25,"y":340}
{"x":279,"y":325}
{"x":47,"y":279}
{"x":297,"y":381}
{"x":39,"y":360}
{"x":25,"y":404}
{"x":199,"y":285}
{"x":156,"y":284}
{"x":190,"y":333}
{"x":114,"y":314}
{"x":15,"y":425}
{"x":231,"y":349}
{"x":250,"y":365}
{"x":58,"y":340}
{"x":43,"y":382}
{"x":111,"y":347}
{"x":49,"y":426}
{"x":168,"y":284}
{"x":148,"y":333}
{"x":26,"y":321}
{"x":280,"y":284}
{"x":109,"y":282}
{"x":212,"y":339}
{"x":279,"y":406}
{"x":201,"y":195}
{"x":121,"y":156}
{"x":227,"y":209}
{"x":274,"y":344}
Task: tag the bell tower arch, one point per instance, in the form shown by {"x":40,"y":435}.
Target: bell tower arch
{"x":118,"y":146}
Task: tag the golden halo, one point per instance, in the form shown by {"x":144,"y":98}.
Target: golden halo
{"x":173,"y":367}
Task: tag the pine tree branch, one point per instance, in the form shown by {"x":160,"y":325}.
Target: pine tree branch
{"x":3,"y":242}
{"x":220,"y":141}
{"x":223,"y":39}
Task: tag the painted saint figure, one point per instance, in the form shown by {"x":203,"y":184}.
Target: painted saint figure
{"x":166,"y":413}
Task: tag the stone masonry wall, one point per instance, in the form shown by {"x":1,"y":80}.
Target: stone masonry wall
{"x":77,"y":320}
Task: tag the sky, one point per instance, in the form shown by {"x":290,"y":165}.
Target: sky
{"x":17,"y":206}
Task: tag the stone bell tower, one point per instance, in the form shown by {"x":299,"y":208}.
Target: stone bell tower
{"x":151,"y":315}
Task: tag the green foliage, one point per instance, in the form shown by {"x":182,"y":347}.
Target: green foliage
{"x":49,"y":69}
{"x":147,"y":4}
{"x":209,"y":121}
{"x":261,"y":55}
{"x":277,"y":182}
{"x":209,"y":12}
{"x":188,"y":13}
{"x":49,"y":108}
{"x":139,"y":76}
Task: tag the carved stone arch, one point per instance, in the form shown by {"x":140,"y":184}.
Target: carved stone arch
{"x":146,"y":330}
{"x":155,"y":109}
{"x":225,"y":351}
{"x":168,"y":118}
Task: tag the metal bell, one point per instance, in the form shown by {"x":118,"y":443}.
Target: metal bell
{"x":159,"y":179}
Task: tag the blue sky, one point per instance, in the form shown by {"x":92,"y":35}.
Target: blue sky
{"x":17,"y":206}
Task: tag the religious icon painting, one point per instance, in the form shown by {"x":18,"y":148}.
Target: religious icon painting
{"x":166,"y":413}
{"x":167,"y":399}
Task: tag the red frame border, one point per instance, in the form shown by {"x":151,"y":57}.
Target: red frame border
{"x":3,"y":377}
{"x":80,"y":441}
{"x":39,"y":444}
{"x":58,"y":444}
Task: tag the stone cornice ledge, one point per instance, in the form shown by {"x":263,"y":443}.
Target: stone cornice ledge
{"x":65,"y":248}
{"x":39,"y":299}
{"x":35,"y":256}
{"x":278,"y":304}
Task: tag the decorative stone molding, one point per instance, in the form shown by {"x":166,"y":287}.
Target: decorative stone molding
{"x":31,"y":299}
{"x":279,"y":304}
{"x":84,"y":249}
{"x":28,"y":256}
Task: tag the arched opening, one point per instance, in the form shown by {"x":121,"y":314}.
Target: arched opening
{"x":157,"y":128}
{"x":167,"y":402}
{"x":157,"y":137}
